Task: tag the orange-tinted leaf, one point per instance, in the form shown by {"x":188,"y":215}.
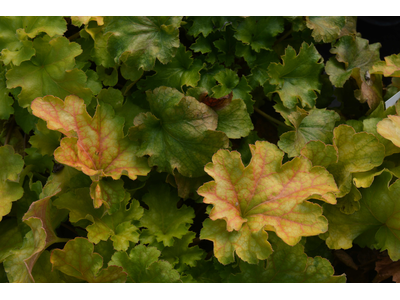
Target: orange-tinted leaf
{"x":268,"y":195}
{"x":97,"y":145}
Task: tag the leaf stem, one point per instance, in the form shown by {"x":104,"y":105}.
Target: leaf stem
{"x":9,"y":131}
{"x":269,"y":118}
{"x":289,"y":32}
{"x":74,"y":36}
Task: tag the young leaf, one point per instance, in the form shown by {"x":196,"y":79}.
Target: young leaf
{"x":298,"y":76}
{"x":143,"y":266}
{"x":179,"y":133}
{"x":181,"y":70}
{"x":266,"y":194}
{"x":77,"y":259}
{"x":10,"y":190}
{"x":163,"y":219}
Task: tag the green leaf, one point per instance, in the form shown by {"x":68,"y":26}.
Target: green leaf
{"x":249,"y":31}
{"x":163,"y":219}
{"x":15,"y":31}
{"x":10,"y":189}
{"x":181,"y":254}
{"x":178,"y":133}
{"x":326,"y":29}
{"x":143,"y":266}
{"x":265,"y":195}
{"x":375,"y":225}
{"x":10,"y":238}
{"x":181,"y":70}
{"x":44,"y":139}
{"x":99,"y":53}
{"x":229,"y":82}
{"x":287,"y":265}
{"x":50,"y":72}
{"x":202,"y":25}
{"x":77,"y":259}
{"x":105,"y":77}
{"x":143,"y":39}
{"x":352,"y":53}
{"x":351,"y":153}
{"x":297,"y":78}
{"x":6,"y":101}
{"x":316,"y":124}
{"x":234,"y":120}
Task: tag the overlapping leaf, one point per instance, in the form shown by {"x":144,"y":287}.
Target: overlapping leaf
{"x":389,"y":67}
{"x":326,"y":29}
{"x":139,"y":41}
{"x":178,"y":133}
{"x":375,"y":225}
{"x":96,"y":146}
{"x":143,"y":266}
{"x":259,"y":39}
{"x":287,"y":265}
{"x":6,"y":101}
{"x":10,"y":189}
{"x":297,"y":78}
{"x":181,"y":70}
{"x":77,"y":259}
{"x":352,"y":53}
{"x":316,"y":124}
{"x":163,"y":219}
{"x":117,"y":226}
{"x":390,"y":126}
{"x":16,"y":31}
{"x":50,"y":72}
{"x":350,"y":153}
{"x":263,"y":195}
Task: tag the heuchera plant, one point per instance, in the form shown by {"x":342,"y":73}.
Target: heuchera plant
{"x":194,"y":149}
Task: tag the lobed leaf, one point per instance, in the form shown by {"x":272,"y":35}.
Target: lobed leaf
{"x":297,"y":78}
{"x":265,"y":195}
{"x":326,"y":29}
{"x":77,"y":259}
{"x":179,"y":133}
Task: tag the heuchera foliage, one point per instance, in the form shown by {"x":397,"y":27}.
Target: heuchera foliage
{"x":194,"y":149}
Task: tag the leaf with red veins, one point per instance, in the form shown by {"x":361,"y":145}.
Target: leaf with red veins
{"x":268,"y":195}
{"x":96,"y":146}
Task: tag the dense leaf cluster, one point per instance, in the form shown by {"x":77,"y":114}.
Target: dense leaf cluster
{"x":194,"y":149}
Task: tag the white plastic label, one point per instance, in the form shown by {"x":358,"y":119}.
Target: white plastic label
{"x":392,"y":101}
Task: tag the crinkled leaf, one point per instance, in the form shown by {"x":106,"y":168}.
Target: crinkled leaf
{"x":351,"y":153}
{"x":266,"y":194}
{"x":389,"y":67}
{"x":375,"y":225}
{"x":143,"y":266}
{"x":163,"y":219}
{"x":297,"y":78}
{"x":15,"y":31}
{"x":287,"y":265}
{"x":179,"y":133}
{"x":181,"y":254}
{"x":118,"y":225}
{"x":50,"y":72}
{"x":77,"y":259}
{"x":352,"y":53}
{"x":143,"y":39}
{"x":96,"y":146}
{"x":248,"y":31}
{"x":316,"y":124}
{"x":326,"y":29}
{"x":181,"y":70}
{"x":10,"y":189}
